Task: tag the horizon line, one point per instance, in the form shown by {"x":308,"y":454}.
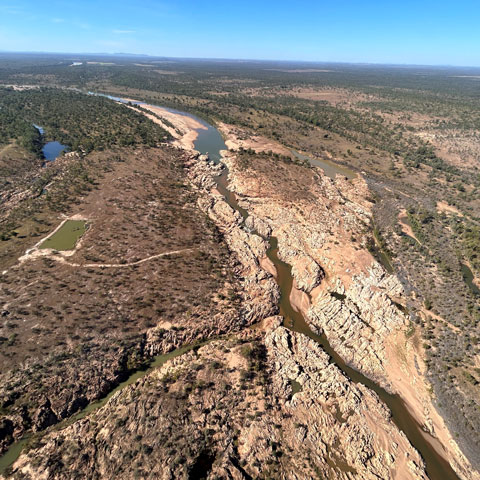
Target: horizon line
{"x":336,"y":62}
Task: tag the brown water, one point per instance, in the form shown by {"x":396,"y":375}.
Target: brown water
{"x":331,"y":169}
{"x":380,"y":255}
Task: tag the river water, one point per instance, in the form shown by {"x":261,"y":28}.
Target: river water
{"x":210,"y":141}
{"x":330,"y":169}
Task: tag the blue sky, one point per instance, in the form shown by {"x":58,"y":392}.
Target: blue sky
{"x":415,"y":32}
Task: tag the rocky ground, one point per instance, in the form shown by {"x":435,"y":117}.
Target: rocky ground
{"x":227,"y":410}
{"x":323,"y":228}
{"x":259,"y":400}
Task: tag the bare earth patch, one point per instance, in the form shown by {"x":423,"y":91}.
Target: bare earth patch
{"x":449,"y":209}
{"x":406,"y":227}
{"x":238,"y":138}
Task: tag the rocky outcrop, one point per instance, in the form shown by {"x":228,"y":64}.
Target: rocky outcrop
{"x":353,"y":301}
{"x":353,"y":421}
{"x":323,"y":237}
{"x":51,"y":401}
{"x":256,"y":224}
{"x":358,"y":320}
{"x":307,"y":273}
{"x":260,"y":293}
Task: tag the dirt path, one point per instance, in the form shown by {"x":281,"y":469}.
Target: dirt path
{"x":5,"y":148}
{"x":406,"y":227}
{"x":60,"y":257}
{"x":131,"y":264}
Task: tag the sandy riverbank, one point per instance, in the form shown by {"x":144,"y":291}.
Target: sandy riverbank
{"x":185,"y":129}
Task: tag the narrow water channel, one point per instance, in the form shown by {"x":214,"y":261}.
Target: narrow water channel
{"x":11,"y":455}
{"x":331,"y":169}
{"x":436,"y":466}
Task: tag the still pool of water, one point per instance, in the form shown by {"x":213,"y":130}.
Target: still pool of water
{"x":331,"y":169}
{"x":66,"y":237}
{"x":209,"y":139}
{"x":51,"y":150}
{"x":468,"y":278}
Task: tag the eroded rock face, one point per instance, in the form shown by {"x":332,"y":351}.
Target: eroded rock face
{"x":258,"y":225}
{"x":322,"y":235}
{"x":358,"y":320}
{"x":353,"y":422}
{"x":307,"y":273}
{"x":355,"y":303}
{"x":260,"y":293}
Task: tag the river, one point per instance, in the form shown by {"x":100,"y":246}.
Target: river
{"x":210,"y":141}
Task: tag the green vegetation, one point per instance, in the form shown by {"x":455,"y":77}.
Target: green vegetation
{"x":67,"y":236}
{"x":83,"y":122}
{"x":468,"y":235}
{"x":377,"y":246}
{"x":295,"y":386}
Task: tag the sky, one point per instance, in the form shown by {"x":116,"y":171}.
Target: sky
{"x":441,"y":32}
